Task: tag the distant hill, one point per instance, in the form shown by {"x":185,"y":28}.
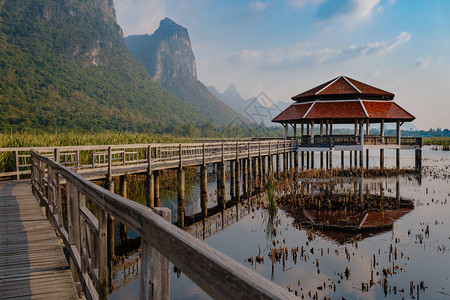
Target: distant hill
{"x":260,"y":109}
{"x":168,"y":57}
{"x":64,"y":65}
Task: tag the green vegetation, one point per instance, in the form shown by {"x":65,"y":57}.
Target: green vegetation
{"x":438,"y":141}
{"x":24,"y":139}
{"x":64,"y":66}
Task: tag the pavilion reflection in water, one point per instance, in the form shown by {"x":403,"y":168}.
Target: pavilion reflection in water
{"x":345,"y":217}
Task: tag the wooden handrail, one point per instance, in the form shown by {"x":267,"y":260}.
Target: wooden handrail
{"x":217,"y":274}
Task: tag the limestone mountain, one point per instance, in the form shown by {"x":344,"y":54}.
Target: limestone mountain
{"x":64,"y":64}
{"x":168,"y":57}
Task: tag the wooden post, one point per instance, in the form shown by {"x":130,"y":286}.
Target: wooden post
{"x":73,"y":220}
{"x":204,"y":189}
{"x":399,"y":145}
{"x":102,"y":254}
{"x":367,"y":159}
{"x":17,"y":163}
{"x":351,"y":159}
{"x":342,"y":159}
{"x":295,"y":129}
{"x":156,"y":184}
{"x":221,"y":192}
{"x":327,"y":162}
{"x":232,"y":180}
{"x":123,"y":231}
{"x":321,"y":159}
{"x":330,"y":153}
{"x":286,"y":128}
{"x":302,"y":153}
{"x":244,"y":176}
{"x":150,"y":180}
{"x":278,"y":159}
{"x":249,"y":173}
{"x":382,"y":141}
{"x":56,"y":154}
{"x":361,"y":135}
{"x":237,"y":177}
{"x":181,"y":196}
{"x":255,"y":172}
{"x":312,"y":159}
{"x":155,"y":273}
{"x":418,"y":159}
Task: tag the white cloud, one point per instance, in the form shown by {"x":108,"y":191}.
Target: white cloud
{"x":140,"y":16}
{"x":257,"y":7}
{"x":423,"y":62}
{"x":298,"y":54}
{"x":300,"y":3}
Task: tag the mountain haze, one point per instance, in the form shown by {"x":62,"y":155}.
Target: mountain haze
{"x":168,"y":57}
{"x":64,"y":64}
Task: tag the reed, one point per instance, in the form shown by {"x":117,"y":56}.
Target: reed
{"x":438,"y":141}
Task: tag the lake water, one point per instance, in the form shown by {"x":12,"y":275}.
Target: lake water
{"x":409,"y":256}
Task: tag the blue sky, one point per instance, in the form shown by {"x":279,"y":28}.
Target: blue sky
{"x":288,"y":46}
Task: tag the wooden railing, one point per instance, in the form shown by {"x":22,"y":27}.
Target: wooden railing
{"x":85,"y":238}
{"x":331,"y":140}
{"x":16,"y":162}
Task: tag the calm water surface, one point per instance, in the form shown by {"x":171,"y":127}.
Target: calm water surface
{"x":336,"y":267}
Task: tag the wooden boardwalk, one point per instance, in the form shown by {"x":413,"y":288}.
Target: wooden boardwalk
{"x":32,"y":262}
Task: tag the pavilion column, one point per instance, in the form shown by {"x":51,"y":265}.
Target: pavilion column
{"x":361,"y":133}
{"x":418,"y":159}
{"x":321,"y":152}
{"x":382,"y":150}
{"x":286,"y":129}
{"x":309,"y":138}
{"x":351,"y":159}
{"x":278,"y":159}
{"x":295,"y":129}
{"x":331,"y":152}
{"x":302,"y":153}
{"x":327,"y":154}
{"x":312,"y":139}
{"x":356,"y":152}
{"x":367,"y":150}
{"x":399,"y":143}
{"x":342,"y":159}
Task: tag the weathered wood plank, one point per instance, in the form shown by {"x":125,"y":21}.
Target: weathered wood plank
{"x":32,"y":263}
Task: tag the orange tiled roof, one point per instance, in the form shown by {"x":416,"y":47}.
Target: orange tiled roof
{"x":342,"y":87}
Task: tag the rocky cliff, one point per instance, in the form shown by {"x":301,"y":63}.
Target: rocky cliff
{"x":168,"y":57}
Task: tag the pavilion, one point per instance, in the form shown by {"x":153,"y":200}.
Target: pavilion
{"x":344,"y":100}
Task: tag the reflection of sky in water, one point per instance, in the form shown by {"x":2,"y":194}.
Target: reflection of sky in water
{"x":427,"y":262}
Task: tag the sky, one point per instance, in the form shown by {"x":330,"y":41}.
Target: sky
{"x":286,"y":47}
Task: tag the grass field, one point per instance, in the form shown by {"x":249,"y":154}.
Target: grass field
{"x":438,"y":141}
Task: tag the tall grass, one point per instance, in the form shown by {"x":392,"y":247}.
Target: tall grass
{"x":438,"y":141}
{"x":8,"y":140}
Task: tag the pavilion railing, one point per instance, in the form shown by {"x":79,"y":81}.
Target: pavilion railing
{"x":331,"y":140}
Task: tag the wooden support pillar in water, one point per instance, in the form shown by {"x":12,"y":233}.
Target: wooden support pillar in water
{"x":154,"y":269}
{"x":327,"y":155}
{"x":232,"y":181}
{"x":342,"y":159}
{"x":244,"y":177}
{"x":307,"y":160}
{"x":260,"y":171}
{"x":156,"y":184}
{"x":255,"y":180}
{"x":278,"y":157}
{"x":351,"y":159}
{"x":331,"y":159}
{"x":181,"y":195}
{"x":367,"y":159}
{"x":123,"y":232}
{"x":296,"y":160}
{"x":150,"y":181}
{"x":397,"y":159}
{"x":361,"y":158}
{"x":237,"y":176}
{"x":264,"y":171}
{"x":381,"y":159}
{"x":204,"y":189}
{"x":302,"y":157}
{"x":321,"y":159}
{"x":312,"y":159}
{"x":418,"y":159}
{"x":270,"y":162}
{"x":221,"y":191}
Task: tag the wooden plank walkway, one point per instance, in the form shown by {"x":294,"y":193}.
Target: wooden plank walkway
{"x":32,"y":262}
